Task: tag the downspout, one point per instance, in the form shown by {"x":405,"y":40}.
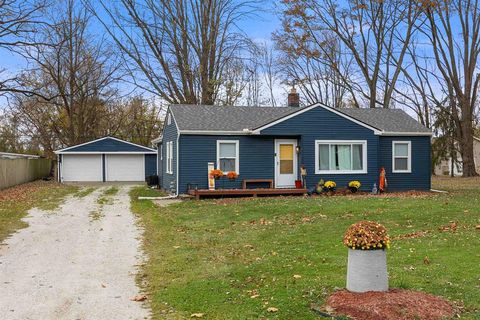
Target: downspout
{"x":177,"y":164}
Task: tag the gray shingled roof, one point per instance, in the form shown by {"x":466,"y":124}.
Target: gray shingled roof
{"x":216,"y":118}
{"x":388,"y":120}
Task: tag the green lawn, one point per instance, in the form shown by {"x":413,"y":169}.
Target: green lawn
{"x":16,"y":201}
{"x":235,"y":258}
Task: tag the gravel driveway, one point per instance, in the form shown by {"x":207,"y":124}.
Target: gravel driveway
{"x":78,"y":262}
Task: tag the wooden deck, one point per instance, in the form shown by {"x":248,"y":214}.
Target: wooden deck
{"x":245,"y":192}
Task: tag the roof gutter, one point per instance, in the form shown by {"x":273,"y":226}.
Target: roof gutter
{"x":213,"y":132}
{"x":157,"y":140}
{"x":397,"y":134}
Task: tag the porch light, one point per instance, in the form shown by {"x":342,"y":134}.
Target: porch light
{"x":297,"y":149}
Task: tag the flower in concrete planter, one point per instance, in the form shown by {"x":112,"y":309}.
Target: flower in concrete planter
{"x":366,"y":235}
{"x":367,"y":267}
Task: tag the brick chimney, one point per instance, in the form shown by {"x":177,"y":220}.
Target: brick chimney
{"x":293,"y":98}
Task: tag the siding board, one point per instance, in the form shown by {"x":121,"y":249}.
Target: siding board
{"x":150,"y":165}
{"x":169,"y":181}
{"x":420,"y":177}
{"x":321,"y":124}
{"x":256,"y":159}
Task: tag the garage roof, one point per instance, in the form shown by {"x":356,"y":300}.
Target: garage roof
{"x":107,"y":145}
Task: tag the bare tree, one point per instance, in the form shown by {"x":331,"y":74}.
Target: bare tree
{"x":454,"y":32}
{"x":376,"y":34}
{"x":270,"y":73}
{"x":177,"y":49}
{"x":18,"y":19}
{"x":312,"y":70}
{"x":420,"y":87}
{"x":78,"y":71}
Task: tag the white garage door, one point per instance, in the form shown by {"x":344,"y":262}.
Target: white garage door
{"x":125,"y":167}
{"x":82,"y":167}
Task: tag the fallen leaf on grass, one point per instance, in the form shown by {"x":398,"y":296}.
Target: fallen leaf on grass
{"x":426,"y":260}
{"x":197,"y":315}
{"x":449,"y":227}
{"x":272,"y":309}
{"x":477,"y":227}
{"x":413,"y":235}
{"x":140,"y":297}
{"x":297,"y":276}
{"x":255,"y":296}
{"x":306,"y":219}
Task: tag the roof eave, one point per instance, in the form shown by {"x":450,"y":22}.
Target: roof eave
{"x":157,"y":140}
{"x":64,"y":150}
{"x":404,"y":134}
{"x":217,"y":132}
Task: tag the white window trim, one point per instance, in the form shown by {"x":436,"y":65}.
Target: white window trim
{"x":364,"y":160}
{"x":169,"y":120}
{"x":169,"y":157}
{"x":237,"y":153}
{"x":409,"y":157}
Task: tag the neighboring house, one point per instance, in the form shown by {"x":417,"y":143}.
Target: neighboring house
{"x":106,"y":159}
{"x":444,"y":167}
{"x":271,"y":143}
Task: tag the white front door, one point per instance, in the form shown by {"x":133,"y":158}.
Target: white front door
{"x":285,"y":163}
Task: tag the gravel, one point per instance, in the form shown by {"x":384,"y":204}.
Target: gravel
{"x":69,"y":265}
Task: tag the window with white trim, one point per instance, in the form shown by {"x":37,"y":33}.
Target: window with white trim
{"x":401,"y":156}
{"x":169,"y":120}
{"x":340,"y":156}
{"x":169,"y":156}
{"x":228,"y":155}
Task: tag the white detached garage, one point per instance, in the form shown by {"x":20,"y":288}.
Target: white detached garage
{"x":106,"y":159}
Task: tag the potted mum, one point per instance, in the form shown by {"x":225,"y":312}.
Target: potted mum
{"x":232,"y":175}
{"x":216,"y":173}
{"x":367,"y":242}
{"x":354,"y":186}
{"x":330,"y":186}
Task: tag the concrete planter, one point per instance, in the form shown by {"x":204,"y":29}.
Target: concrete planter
{"x":367,"y":270}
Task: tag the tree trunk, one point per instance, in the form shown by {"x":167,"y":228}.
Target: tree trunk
{"x":466,"y":149}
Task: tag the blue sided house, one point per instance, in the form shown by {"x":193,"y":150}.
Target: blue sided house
{"x":106,"y":159}
{"x":273,"y":142}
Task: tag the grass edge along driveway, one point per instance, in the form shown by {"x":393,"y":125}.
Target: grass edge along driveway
{"x":236,"y":258}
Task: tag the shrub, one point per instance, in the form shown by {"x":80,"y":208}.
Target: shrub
{"x":367,"y":235}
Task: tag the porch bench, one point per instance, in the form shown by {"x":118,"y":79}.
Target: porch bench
{"x":245,"y":181}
